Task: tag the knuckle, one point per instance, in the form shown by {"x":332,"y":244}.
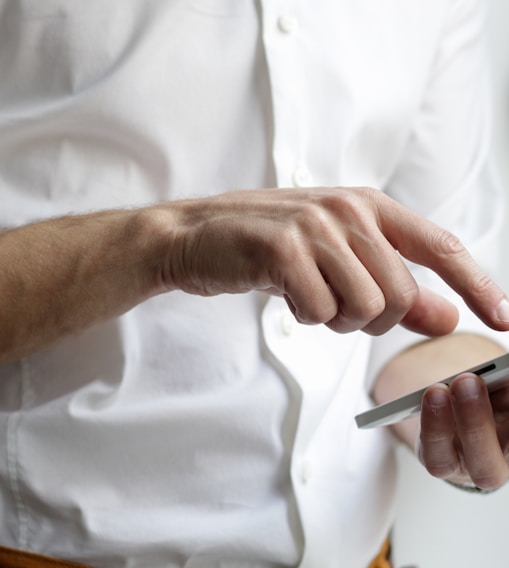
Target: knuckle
{"x":351,"y":204}
{"x":481,"y":284}
{"x":284,"y":247}
{"x":315,"y":315}
{"x":311,"y":221}
{"x":405,"y":297}
{"x":313,"y":214}
{"x":378,"y":330}
{"x":315,"y":312}
{"x":473,"y":435}
{"x":368,"y":193}
{"x":431,"y":439}
{"x":352,"y":317}
{"x":446,"y":243}
{"x":368,"y":309}
{"x":339,"y":324}
{"x":373,"y":198}
{"x":372,"y":195}
{"x":436,"y":456}
{"x":440,"y":466}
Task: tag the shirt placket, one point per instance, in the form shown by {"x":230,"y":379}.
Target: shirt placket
{"x":282,"y":24}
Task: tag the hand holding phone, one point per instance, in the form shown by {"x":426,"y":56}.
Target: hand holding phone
{"x":494,"y":372}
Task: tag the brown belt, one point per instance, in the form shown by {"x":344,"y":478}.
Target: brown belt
{"x":10,"y":558}
{"x":383,"y":559}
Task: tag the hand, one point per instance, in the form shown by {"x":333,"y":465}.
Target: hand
{"x":464,"y":435}
{"x":332,"y":253}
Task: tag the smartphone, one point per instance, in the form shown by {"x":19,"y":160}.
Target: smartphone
{"x":495,"y":374}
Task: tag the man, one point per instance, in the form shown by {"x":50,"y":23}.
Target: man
{"x":161,"y":405}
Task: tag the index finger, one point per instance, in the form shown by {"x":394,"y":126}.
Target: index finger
{"x":425,"y":243}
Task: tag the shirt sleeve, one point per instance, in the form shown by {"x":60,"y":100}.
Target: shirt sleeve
{"x":445,"y":172}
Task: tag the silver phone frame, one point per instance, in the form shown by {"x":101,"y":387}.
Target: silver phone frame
{"x":494,"y":372}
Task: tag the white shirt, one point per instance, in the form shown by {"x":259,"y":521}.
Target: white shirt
{"x":206,"y":432}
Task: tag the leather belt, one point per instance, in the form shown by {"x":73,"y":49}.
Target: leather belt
{"x":11,"y":558}
{"x":383,"y":558}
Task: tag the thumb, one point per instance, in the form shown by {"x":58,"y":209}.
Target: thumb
{"x":431,"y":315}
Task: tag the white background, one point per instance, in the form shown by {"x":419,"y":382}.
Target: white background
{"x":438,"y":526}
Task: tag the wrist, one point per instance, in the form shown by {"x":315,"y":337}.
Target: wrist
{"x":163,"y":229}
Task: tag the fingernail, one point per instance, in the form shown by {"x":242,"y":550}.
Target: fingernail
{"x":466,"y":387}
{"x":437,"y":397}
{"x":502,"y":311}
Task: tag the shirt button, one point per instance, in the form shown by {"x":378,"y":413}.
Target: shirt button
{"x":301,"y":177}
{"x":305,"y":471}
{"x":287,"y":323}
{"x":287,"y":24}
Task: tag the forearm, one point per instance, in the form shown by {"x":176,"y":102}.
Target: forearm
{"x":61,"y":276}
{"x":428,"y":362}
{"x":311,"y":246}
